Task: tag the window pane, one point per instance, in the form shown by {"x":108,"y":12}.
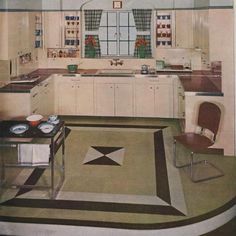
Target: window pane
{"x":112,"y":35}
{"x":124,"y":48}
{"x":103,"y":46}
{"x":131,"y":47}
{"x":131,"y":19}
{"x":112,"y":48}
{"x":124,"y":16}
{"x":111,"y":19}
{"x":124,"y":33}
{"x":102,"y":33}
{"x":133,"y":33}
{"x":103,"y":21}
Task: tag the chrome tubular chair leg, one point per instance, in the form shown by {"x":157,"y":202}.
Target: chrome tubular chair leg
{"x":191,"y":165}
{"x":174,"y":147}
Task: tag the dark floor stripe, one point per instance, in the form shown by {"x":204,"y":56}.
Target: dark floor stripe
{"x":92,"y":206}
{"x":118,"y":225}
{"x":162,"y":183}
{"x":32,"y":180}
{"x":115,"y":126}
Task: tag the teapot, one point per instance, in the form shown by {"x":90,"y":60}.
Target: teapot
{"x":144,"y":69}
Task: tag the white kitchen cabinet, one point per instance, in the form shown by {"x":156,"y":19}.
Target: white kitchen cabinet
{"x":42,"y":98}
{"x":17,"y":32}
{"x":53,"y":29}
{"x":201,"y":35}
{"x":3,"y":36}
{"x":114,"y":99}
{"x":85,"y":99}
{"x":179,"y":99}
{"x":66,"y":98}
{"x":184,"y":29}
{"x":105,"y":99}
{"x":75,"y":96}
{"x":144,"y":100}
{"x":14,"y":105}
{"x":124,"y":100}
{"x":39,"y":100}
{"x":154,"y":98}
{"x":163,"y":100}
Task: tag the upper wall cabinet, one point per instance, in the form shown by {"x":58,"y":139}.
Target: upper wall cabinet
{"x":53,"y":32}
{"x":201,"y":35}
{"x":184,"y":28}
{"x":21,"y":33}
{"x":3,"y":36}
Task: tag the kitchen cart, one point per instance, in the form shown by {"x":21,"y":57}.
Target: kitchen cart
{"x":33,"y":135}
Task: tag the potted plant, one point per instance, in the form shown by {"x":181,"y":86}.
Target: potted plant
{"x":141,"y":44}
{"x":90,"y":44}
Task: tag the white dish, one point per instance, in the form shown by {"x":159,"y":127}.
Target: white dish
{"x":46,"y":127}
{"x":34,"y":117}
{"x":19,"y":129}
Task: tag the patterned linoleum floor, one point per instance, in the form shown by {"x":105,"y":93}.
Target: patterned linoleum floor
{"x":120,"y":171}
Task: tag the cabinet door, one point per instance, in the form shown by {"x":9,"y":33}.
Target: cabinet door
{"x":164,"y":100}
{"x":105,"y":99}
{"x":53,"y":34}
{"x":4,"y":36}
{"x":67,"y":99}
{"x":144,"y":100}
{"x":124,"y":100}
{"x":84,"y":99}
{"x":13,"y":34}
{"x":14,"y":105}
{"x":184,"y":28}
{"x":48,"y":98}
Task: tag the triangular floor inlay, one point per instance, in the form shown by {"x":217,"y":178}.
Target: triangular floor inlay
{"x":100,"y":155}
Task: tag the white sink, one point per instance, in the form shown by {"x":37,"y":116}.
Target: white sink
{"x":117,"y":72}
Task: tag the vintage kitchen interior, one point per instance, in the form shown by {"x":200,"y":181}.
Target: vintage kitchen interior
{"x":117,"y":117}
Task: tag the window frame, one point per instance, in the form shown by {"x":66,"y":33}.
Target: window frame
{"x":118,"y":41}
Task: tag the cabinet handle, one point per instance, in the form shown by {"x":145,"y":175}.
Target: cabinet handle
{"x":157,"y":87}
{"x":150,"y":87}
{"x":35,"y":95}
{"x":78,"y":86}
{"x":111,"y":87}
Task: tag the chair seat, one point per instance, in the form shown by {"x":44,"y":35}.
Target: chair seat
{"x":193,"y":141}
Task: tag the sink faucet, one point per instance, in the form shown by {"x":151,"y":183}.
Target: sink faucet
{"x":116,"y":62}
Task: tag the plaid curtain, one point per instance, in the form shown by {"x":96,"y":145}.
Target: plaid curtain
{"x":97,"y":46}
{"x":147,"y":38}
{"x":142,"y":18}
{"x":92,"y":19}
{"x":92,"y":23}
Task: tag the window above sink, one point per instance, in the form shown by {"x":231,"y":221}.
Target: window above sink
{"x":117,"y":33}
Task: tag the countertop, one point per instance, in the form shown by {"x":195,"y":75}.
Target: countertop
{"x":201,"y":82}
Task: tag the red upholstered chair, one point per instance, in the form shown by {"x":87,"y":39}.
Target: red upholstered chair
{"x":208,"y":123}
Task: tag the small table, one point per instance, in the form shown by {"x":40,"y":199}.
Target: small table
{"x":56,"y":140}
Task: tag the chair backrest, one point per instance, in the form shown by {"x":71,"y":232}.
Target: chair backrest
{"x":209,"y":116}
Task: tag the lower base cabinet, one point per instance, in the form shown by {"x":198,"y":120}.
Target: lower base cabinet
{"x":75,"y":97}
{"x":114,"y":99}
{"x":122,"y":97}
{"x":154,"y":100}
